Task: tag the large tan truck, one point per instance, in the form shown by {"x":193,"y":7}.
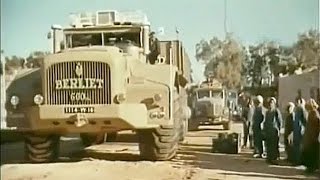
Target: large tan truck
{"x":107,"y":74}
{"x":210,"y":106}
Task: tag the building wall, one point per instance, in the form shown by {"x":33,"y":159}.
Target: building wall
{"x":289,"y":86}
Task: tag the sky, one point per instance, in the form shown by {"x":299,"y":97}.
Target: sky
{"x":25,"y":24}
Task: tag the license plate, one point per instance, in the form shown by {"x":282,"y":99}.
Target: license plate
{"x":79,"y":110}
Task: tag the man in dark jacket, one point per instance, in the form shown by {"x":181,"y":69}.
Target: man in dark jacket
{"x":247,"y":117}
{"x":288,"y":132}
{"x":272,"y":126}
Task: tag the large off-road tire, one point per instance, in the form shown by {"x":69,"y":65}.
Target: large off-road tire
{"x":89,"y":139}
{"x":158,"y":144}
{"x":193,"y":124}
{"x":111,"y":137}
{"x":41,"y":148}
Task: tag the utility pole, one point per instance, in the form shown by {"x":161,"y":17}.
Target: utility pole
{"x":3,"y":91}
{"x":225,"y":18}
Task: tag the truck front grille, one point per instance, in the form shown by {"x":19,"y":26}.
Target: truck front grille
{"x":218,"y":109}
{"x":79,"y":70}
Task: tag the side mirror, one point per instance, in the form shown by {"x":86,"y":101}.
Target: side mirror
{"x":49,"y":35}
{"x":56,"y":35}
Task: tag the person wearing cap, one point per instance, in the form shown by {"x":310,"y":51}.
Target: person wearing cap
{"x":310,"y":148}
{"x":272,"y":126}
{"x":258,"y":118}
{"x":288,"y":132}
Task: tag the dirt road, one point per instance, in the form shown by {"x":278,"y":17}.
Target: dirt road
{"x":120,"y":161}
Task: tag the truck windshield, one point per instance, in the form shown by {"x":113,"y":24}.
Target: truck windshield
{"x":99,"y":39}
{"x":206,"y":93}
{"x":86,"y":40}
{"x":203,"y":94}
{"x":217,"y":93}
{"x":122,"y":38}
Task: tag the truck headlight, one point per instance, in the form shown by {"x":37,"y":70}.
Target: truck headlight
{"x":121,"y":98}
{"x":14,"y":100}
{"x":198,"y":112}
{"x":38,"y":99}
{"x":157,"y":97}
{"x":153,"y":115}
{"x":161,"y":115}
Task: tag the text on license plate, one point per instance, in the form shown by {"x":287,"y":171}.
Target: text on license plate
{"x":79,"y":110}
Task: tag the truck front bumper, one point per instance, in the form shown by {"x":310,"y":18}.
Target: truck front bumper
{"x":100,"y":118}
{"x":213,"y":120}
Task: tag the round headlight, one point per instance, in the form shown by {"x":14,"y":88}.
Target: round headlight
{"x":153,"y":115}
{"x":121,"y":98}
{"x":157,"y":97}
{"x":161,"y":115}
{"x":38,"y":99}
{"x":14,"y":100}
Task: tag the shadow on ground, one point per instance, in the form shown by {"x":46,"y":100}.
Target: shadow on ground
{"x":194,"y":154}
{"x":72,"y":150}
{"x":242,"y":164}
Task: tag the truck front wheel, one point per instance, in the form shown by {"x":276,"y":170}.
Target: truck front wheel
{"x":193,"y":124}
{"x":158,"y":144}
{"x":41,"y":148}
{"x":111,"y":137}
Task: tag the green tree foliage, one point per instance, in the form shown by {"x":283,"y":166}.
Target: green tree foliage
{"x":307,"y":48}
{"x":12,"y":63}
{"x":270,"y":59}
{"x":223,"y":60}
{"x":35,"y":59}
{"x":265,"y":58}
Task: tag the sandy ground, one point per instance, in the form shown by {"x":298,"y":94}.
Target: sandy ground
{"x":121,"y":161}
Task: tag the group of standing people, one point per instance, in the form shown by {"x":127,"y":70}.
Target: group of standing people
{"x":263,"y":124}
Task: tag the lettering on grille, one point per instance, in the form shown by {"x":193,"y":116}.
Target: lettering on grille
{"x":82,"y":82}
